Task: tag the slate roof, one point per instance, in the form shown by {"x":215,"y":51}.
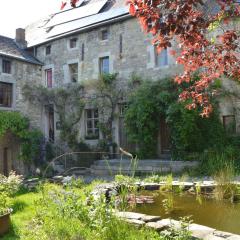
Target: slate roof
{"x":9,"y":48}
{"x":88,"y":15}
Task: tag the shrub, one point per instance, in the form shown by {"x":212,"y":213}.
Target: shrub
{"x":8,"y":187}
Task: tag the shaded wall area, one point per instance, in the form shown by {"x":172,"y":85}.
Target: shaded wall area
{"x":9,"y":154}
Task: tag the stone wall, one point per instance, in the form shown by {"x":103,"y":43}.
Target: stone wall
{"x":21,"y":73}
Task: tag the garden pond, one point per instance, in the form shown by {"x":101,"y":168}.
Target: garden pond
{"x":221,"y":215}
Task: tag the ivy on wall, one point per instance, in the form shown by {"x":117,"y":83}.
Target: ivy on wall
{"x":68,"y":103}
{"x":18,"y":125}
{"x":154,"y":100}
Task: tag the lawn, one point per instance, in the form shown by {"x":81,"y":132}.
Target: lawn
{"x":58,"y":213}
{"x":23,"y":212}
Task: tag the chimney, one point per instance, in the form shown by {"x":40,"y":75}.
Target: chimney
{"x":20,"y":38}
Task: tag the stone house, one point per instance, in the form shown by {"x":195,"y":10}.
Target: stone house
{"x":77,"y":45}
{"x":17,"y":67}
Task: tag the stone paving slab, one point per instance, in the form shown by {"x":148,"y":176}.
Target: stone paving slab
{"x":156,"y":226}
{"x":200,"y":231}
{"x":130,"y":215}
{"x":138,"y":223}
{"x":148,"y":218}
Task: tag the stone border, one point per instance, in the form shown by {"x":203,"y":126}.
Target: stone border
{"x":155,"y":222}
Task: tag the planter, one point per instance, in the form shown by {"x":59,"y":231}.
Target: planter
{"x":5,"y":223}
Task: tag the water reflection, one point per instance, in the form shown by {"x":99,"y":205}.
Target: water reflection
{"x":222,"y":215}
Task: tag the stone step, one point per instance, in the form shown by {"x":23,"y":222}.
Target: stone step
{"x":146,"y":166}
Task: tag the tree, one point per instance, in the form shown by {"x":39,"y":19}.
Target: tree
{"x":193,"y":25}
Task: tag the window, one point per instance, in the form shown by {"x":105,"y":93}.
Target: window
{"x":6,"y":93}
{"x":92,"y":128}
{"x":161,"y":59}
{"x":73,"y":43}
{"x":104,"y":34}
{"x":229,"y":124}
{"x":104,"y":65}
{"x":48,"y":76}
{"x":6,"y":66}
{"x":48,"y":49}
{"x":73,"y":71}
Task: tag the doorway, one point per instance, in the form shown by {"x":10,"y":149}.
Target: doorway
{"x":164,"y":137}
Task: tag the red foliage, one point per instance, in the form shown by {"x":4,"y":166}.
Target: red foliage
{"x":63,"y":5}
{"x":189,"y":22}
{"x":73,"y":4}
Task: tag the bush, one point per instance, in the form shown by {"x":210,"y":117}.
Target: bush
{"x":8,"y":187}
{"x":189,"y":132}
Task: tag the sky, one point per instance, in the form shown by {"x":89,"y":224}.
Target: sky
{"x":20,"y":13}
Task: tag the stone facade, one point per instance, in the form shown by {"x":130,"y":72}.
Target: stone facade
{"x":14,"y":74}
{"x":129,"y":51}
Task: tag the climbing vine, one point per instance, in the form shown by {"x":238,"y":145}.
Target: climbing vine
{"x":108,"y":94}
{"x":18,"y":125}
{"x":68,"y":103}
{"x":188,"y":130}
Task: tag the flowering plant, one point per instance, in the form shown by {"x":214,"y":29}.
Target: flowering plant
{"x":8,"y":187}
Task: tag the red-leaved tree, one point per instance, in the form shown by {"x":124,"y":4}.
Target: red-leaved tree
{"x":207,"y":41}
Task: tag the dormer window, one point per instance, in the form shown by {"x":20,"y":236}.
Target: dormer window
{"x":48,"y":50}
{"x":73,"y":43}
{"x":6,"y":66}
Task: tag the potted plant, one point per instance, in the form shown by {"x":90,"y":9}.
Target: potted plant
{"x":8,"y":187}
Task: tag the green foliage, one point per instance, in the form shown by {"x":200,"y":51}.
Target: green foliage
{"x":146,"y":106}
{"x":190,"y":132}
{"x":72,"y":213}
{"x":18,"y":125}
{"x":68,"y":104}
{"x":214,"y":161}
{"x":8,"y":187}
{"x":107,"y":97}
{"x":181,"y":233}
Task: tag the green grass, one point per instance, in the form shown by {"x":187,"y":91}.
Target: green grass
{"x":61,"y":213}
{"x":23,"y":212}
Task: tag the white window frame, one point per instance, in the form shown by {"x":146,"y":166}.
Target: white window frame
{"x":92,"y":119}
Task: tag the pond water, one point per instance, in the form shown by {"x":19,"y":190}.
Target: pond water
{"x":221,"y":215}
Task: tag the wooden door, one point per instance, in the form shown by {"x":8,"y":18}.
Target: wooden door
{"x":5,"y":161}
{"x":165,"y":136}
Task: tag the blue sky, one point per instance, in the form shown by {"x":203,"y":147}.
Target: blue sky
{"x":19,"y":13}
